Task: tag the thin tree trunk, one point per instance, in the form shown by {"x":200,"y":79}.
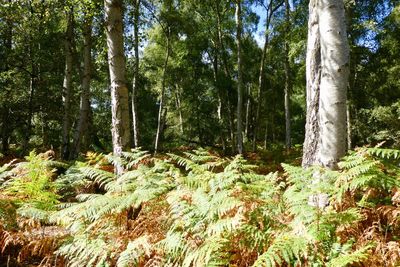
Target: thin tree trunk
{"x":119,"y":90}
{"x":270,"y":10}
{"x":135,"y":86}
{"x":248,"y":102}
{"x":221,"y":102}
{"x":230,"y":115}
{"x":288,"y":84}
{"x":82,"y":128}
{"x":67,"y":85}
{"x":162,"y":99}
{"x":179,"y":108}
{"x":261,"y":82}
{"x":240,"y":78}
{"x":313,"y":73}
{"x":334,"y":82}
{"x":349,"y":132}
{"x":5,"y":128}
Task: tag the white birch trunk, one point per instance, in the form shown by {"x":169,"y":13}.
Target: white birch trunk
{"x":135,"y":75}
{"x":119,"y":91}
{"x":334,"y":81}
{"x":313,"y":75}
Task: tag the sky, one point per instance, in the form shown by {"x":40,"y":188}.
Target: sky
{"x":261,"y":12}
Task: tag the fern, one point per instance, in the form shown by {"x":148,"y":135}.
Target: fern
{"x":285,"y":248}
{"x":134,"y":251}
{"x":348,"y":258}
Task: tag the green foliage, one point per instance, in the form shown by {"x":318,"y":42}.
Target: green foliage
{"x":345,"y":257}
{"x":285,"y":248}
{"x":30,"y":185}
{"x":188,"y":210}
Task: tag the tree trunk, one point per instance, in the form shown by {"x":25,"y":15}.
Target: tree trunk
{"x":327,"y":80}
{"x":5,"y":109}
{"x":135,"y":86}
{"x":349,"y":132}
{"x":221,"y":101}
{"x":334,"y":82}
{"x":119,"y":91}
{"x":162,"y":99}
{"x":247,"y":121}
{"x":82,"y":128}
{"x":179,"y":108}
{"x":288,"y":85}
{"x":313,"y":74}
{"x":226,"y":94}
{"x":270,"y":10}
{"x":67,"y":85}
{"x":238,"y":15}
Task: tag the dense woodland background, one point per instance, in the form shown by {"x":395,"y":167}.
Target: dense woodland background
{"x":198,"y":80}
{"x":199,"y":133}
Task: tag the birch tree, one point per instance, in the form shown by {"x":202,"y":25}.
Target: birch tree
{"x":135,"y":85}
{"x":327,"y":78}
{"x":119,"y":91}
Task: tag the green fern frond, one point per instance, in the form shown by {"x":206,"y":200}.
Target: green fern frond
{"x":210,"y":253}
{"x":83,"y":251}
{"x":384,"y":153}
{"x":99,"y":176}
{"x":134,"y":251}
{"x":346,"y":259}
{"x":285,"y":248}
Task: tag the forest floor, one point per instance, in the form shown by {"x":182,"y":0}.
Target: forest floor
{"x":82,"y":214}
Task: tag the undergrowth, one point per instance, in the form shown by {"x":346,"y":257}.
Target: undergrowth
{"x":198,"y":209}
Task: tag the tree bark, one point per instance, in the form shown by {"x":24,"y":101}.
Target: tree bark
{"x":83,"y":123}
{"x":119,"y":91}
{"x":162,"y":98}
{"x":349,"y":132}
{"x":248,"y":103}
{"x":334,"y":82}
{"x":327,"y":80}
{"x":179,"y":108}
{"x":67,"y":85}
{"x":239,"y":133}
{"x":135,"y":86}
{"x":313,"y":74}
{"x":288,"y":85}
{"x":261,"y":82}
{"x":5,"y":109}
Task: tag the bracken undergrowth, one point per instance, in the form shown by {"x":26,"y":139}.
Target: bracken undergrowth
{"x":198,"y":209}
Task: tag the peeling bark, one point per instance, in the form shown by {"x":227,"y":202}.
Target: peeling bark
{"x":119,"y":91}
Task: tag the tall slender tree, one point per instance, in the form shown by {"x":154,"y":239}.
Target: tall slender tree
{"x":239,"y":29}
{"x":119,"y":91}
{"x":288,"y":84}
{"x":83,"y":123}
{"x":67,"y":84}
{"x":135,"y":84}
{"x":327,"y":80}
{"x":270,"y":8}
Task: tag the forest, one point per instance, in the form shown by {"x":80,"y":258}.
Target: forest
{"x":199,"y":133}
